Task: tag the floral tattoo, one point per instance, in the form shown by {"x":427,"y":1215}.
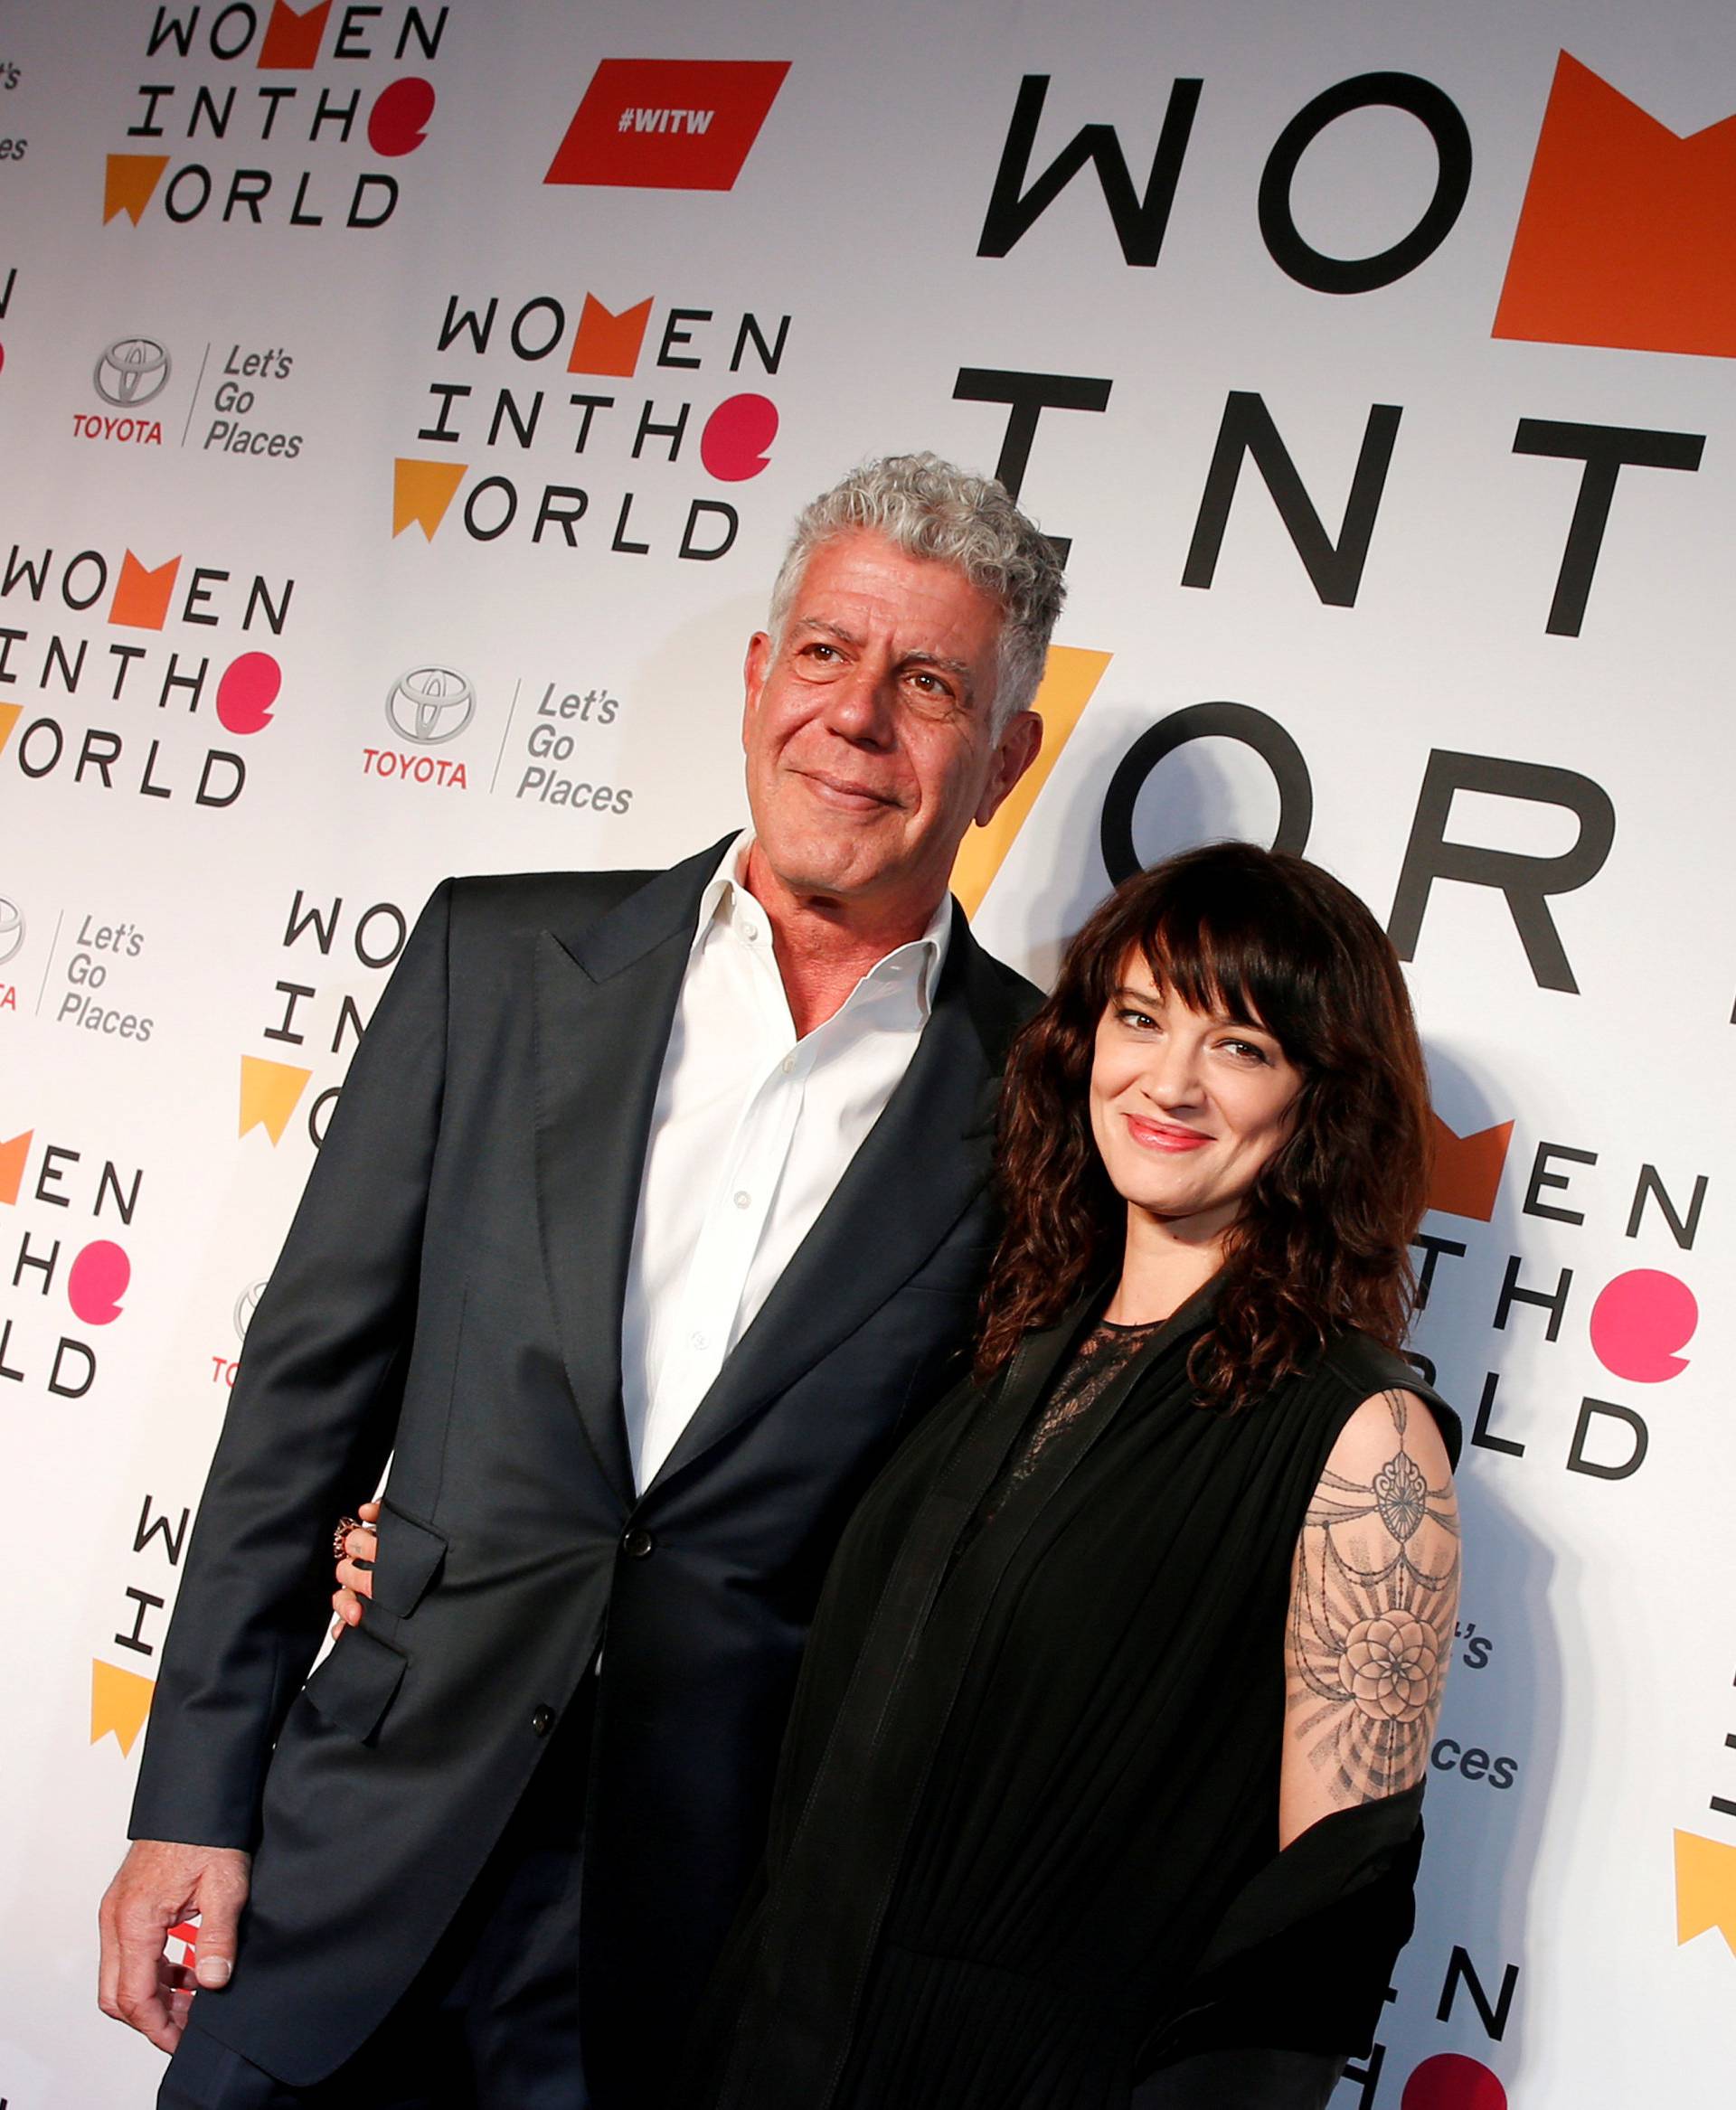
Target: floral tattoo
{"x":1372,"y":1602}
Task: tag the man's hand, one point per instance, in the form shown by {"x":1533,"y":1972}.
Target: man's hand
{"x":158,"y":1884}
{"x":355,"y":1570}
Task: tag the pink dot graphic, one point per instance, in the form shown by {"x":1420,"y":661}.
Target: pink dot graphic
{"x":1449,"y":2081}
{"x":397,"y":122}
{"x":737,"y":440}
{"x":1639,"y":1322}
{"x":98,"y":1282}
{"x":247,"y":689}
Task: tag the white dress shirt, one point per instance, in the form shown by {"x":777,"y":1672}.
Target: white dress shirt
{"x":751,"y":1131}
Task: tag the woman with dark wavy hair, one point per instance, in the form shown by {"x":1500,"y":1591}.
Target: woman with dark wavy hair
{"x":1101,"y":1783}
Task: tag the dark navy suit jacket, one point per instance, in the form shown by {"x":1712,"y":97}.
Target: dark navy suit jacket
{"x":450,"y":1294}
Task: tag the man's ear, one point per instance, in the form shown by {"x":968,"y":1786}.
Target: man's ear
{"x":1019,"y":747}
{"x":754,"y":677}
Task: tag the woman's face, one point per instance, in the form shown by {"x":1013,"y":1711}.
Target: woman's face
{"x":1186,"y":1107}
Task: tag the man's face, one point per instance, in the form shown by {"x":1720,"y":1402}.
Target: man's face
{"x":867,"y":727}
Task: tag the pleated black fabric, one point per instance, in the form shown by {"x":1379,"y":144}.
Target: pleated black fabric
{"x":1023,"y":1836}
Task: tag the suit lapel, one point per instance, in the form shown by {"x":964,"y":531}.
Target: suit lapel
{"x":605,"y":1003}
{"x":916,"y":1173}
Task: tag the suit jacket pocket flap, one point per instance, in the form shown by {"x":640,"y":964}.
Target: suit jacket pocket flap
{"x":356,"y":1683}
{"x":410,"y":1558}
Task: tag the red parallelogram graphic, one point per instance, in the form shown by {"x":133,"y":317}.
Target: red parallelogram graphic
{"x":292,"y":40}
{"x":605,"y":342}
{"x":1627,"y":235}
{"x":668,"y":124}
{"x":141,"y":600}
{"x":1467,"y":1175}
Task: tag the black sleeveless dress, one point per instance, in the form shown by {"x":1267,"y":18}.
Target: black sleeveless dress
{"x":1023,"y":1837}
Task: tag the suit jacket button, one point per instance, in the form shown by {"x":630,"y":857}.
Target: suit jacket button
{"x":638,"y":1543}
{"x":543,"y":1721}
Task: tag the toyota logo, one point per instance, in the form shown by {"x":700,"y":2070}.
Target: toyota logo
{"x":132,"y":371}
{"x":12,"y":930}
{"x":431,"y":705}
{"x":244,"y":1306}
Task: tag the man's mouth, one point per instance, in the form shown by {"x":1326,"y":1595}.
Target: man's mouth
{"x":840,"y":791}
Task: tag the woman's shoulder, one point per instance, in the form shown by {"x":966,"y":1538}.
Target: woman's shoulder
{"x":1362,"y":1368}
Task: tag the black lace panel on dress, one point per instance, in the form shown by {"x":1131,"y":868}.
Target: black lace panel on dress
{"x":1099,"y":1358}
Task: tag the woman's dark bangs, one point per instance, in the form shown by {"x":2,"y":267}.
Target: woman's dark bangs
{"x":1234,"y":954}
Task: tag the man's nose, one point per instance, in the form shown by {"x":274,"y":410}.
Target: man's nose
{"x":860,"y":704}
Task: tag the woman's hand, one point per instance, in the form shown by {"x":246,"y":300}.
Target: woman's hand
{"x":355,"y":1570}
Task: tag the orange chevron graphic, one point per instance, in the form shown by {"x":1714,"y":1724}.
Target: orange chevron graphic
{"x":605,"y":342}
{"x":292,"y":40}
{"x":270,"y":1093}
{"x":1627,"y":235}
{"x":1070,"y":679}
{"x":130,"y":183}
{"x":1705,"y":1889}
{"x":1467,"y":1174}
{"x":141,"y":600}
{"x":10,"y":714}
{"x":422,"y":492}
{"x":119,"y":1702}
{"x":13,"y":1156}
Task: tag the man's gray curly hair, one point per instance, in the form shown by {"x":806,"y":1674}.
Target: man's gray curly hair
{"x":928,"y":508}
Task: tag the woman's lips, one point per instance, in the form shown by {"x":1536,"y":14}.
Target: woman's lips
{"x":1161,"y":1136}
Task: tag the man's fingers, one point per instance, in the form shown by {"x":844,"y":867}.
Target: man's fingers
{"x":221,"y":1898}
{"x":140,"y":1996}
{"x":108,"y":1968}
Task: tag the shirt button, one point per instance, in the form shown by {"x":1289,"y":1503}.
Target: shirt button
{"x":696,"y":1341}
{"x":788,"y":1064}
{"x":636,"y":1544}
{"x":742,"y":1198}
{"x":542,"y":1721}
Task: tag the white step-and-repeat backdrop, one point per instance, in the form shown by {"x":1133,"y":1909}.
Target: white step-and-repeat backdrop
{"x":401,"y":410}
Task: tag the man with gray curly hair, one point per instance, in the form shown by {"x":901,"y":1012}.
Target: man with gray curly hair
{"x":930,"y":510}
{"x":654,"y":1206}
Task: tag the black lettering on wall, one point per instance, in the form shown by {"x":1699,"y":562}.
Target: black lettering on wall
{"x":1334,"y":568}
{"x":1525,"y":882}
{"x":1140,"y":220}
{"x":1437,"y":112}
{"x":1028,"y":396}
{"x":1605,"y":450}
{"x":1234,"y":721}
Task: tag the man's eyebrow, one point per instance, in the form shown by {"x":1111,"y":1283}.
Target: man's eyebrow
{"x":835,"y":630}
{"x":959,"y":669}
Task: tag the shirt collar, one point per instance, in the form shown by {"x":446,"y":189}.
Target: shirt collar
{"x":727,"y":902}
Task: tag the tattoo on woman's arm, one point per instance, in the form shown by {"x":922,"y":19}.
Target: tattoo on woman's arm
{"x":1373,"y":1603}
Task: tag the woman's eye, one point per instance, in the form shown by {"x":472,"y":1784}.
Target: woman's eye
{"x":1128,"y":1016}
{"x":1247,"y":1051}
